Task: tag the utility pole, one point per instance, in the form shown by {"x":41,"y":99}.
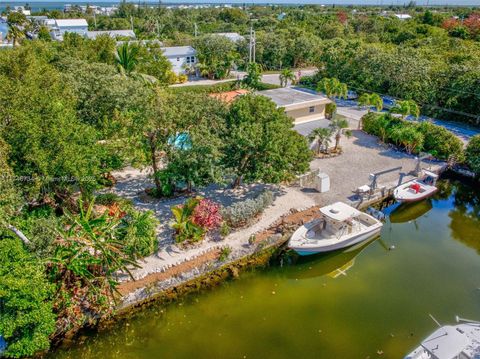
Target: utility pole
{"x":131,"y":22}
{"x":250,"y":45}
{"x":195,"y":29}
{"x":254,"y":45}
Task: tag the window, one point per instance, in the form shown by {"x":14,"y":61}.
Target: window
{"x":311,"y":109}
{"x":178,"y":58}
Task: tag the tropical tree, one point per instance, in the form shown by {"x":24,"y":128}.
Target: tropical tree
{"x":126,"y":58}
{"x":338,"y":126}
{"x":408,"y":136}
{"x":260,"y":143}
{"x":285,"y":76}
{"x":406,"y":108}
{"x":17,"y":23}
{"x":372,"y":99}
{"x":254,"y":75}
{"x":216,"y":55}
{"x":330,"y":110}
{"x":332,"y":87}
{"x":27,"y":319}
{"x":321,"y":136}
{"x":472,"y":154}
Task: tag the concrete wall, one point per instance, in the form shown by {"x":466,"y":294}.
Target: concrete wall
{"x":304,"y":114}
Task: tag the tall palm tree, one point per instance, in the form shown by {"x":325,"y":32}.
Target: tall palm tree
{"x":126,"y":58}
{"x":17,"y":23}
{"x":322,"y":138}
{"x":332,"y":87}
{"x":406,"y":108}
{"x":338,"y":125}
{"x":285,"y":76}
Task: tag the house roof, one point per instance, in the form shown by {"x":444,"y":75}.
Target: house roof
{"x":403,"y":16}
{"x":111,"y":33}
{"x":176,"y":51}
{"x":229,"y":96}
{"x":232,"y":36}
{"x":71,"y":22}
{"x":292,"y":98}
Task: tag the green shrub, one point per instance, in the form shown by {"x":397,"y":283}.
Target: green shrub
{"x":407,"y":136}
{"x":242,"y":213}
{"x":224,"y":253}
{"x":472,"y":154}
{"x":108,"y":199}
{"x":440,"y":142}
{"x":185,"y":228}
{"x":224,"y":229}
{"x":139,"y":234}
{"x":27,"y":318}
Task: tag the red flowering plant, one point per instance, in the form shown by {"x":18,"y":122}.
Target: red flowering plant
{"x":207,"y":214}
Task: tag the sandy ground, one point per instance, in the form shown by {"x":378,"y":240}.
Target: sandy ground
{"x":362,"y":155}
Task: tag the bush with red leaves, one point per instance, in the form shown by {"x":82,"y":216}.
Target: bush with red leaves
{"x":207,"y":214}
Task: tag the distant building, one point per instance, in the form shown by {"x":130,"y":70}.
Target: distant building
{"x":403,"y":16}
{"x":62,"y":26}
{"x":114,"y":34}
{"x":299,"y":104}
{"x":232,"y":36}
{"x":22,"y":10}
{"x":281,"y":16}
{"x":181,"y":58}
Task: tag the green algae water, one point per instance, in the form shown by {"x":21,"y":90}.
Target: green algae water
{"x":371,"y":301}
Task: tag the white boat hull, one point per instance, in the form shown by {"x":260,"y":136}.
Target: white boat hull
{"x":361,"y":237}
{"x":405,"y":194}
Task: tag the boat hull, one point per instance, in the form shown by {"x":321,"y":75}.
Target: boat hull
{"x":341,"y":244}
{"x":402,"y":195}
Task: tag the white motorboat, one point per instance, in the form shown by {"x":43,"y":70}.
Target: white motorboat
{"x":417,"y":189}
{"x":460,"y":341}
{"x":340,"y":226}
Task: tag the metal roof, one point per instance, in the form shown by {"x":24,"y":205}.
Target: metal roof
{"x":179,"y":51}
{"x":71,"y":22}
{"x":232,"y":36}
{"x":294,"y":97}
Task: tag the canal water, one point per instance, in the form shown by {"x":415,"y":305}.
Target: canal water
{"x":370,"y":302}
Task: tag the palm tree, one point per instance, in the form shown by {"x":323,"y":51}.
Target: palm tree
{"x":17,"y":23}
{"x":332,"y":87}
{"x":126,"y":58}
{"x":322,"y":137}
{"x":285,"y":76}
{"x":369,"y":100}
{"x":338,"y":125}
{"x":406,"y":108}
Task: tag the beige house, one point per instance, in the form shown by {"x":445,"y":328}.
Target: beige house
{"x":300,"y":104}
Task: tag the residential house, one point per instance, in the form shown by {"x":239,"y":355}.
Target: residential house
{"x":62,"y":26}
{"x":182,"y":58}
{"x":300,"y":104}
{"x":232,"y":36}
{"x":403,"y":16}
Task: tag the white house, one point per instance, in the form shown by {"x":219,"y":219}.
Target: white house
{"x":78,"y":26}
{"x":232,"y":36}
{"x":403,"y":16}
{"x":181,"y":58}
{"x":300,"y":105}
{"x":22,"y":10}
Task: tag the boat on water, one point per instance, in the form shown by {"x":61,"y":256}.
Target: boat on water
{"x":461,"y":341}
{"x":339,"y":226}
{"x":417,"y":189}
